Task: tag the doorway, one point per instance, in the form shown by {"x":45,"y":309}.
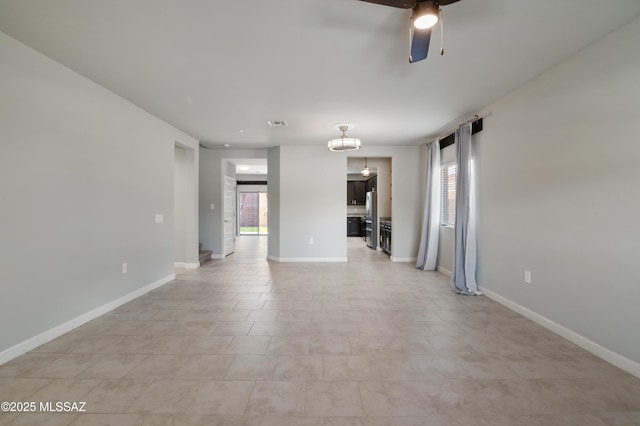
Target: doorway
{"x":252,"y":213}
{"x":369,"y":198}
{"x":185,"y":208}
{"x":229,"y":215}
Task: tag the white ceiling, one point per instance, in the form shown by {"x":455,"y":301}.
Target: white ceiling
{"x":214,"y":68}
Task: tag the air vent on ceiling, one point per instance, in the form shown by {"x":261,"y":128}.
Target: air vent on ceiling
{"x":277,"y":123}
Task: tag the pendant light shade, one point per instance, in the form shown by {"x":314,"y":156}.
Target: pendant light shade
{"x":365,"y":172}
{"x":344,"y":143}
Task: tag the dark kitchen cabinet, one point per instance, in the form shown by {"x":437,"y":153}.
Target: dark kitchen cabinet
{"x":372,"y":184}
{"x":356,"y":192}
{"x":353,"y":226}
{"x":385,"y":236}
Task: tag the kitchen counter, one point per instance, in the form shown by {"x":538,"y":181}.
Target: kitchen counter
{"x":354,"y":225}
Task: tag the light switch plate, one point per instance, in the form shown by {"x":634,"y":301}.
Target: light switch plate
{"x":159,"y":218}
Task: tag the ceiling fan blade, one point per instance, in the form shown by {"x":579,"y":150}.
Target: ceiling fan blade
{"x":420,"y":45}
{"x":402,"y":4}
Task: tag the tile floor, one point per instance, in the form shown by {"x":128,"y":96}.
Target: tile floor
{"x":243,"y":341}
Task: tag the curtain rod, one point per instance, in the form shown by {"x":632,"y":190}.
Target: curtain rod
{"x":452,"y":129}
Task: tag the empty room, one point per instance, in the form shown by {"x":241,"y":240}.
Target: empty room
{"x":177,"y":249}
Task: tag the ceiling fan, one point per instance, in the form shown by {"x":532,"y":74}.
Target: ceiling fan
{"x":425,"y":14}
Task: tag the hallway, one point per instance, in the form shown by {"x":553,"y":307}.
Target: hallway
{"x":246,"y":341}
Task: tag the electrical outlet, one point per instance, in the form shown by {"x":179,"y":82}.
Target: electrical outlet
{"x":311,"y":241}
{"x":527,"y":276}
{"x":159,"y":218}
{"x":124,"y":268}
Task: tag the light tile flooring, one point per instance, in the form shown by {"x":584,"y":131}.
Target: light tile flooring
{"x":243,"y":341}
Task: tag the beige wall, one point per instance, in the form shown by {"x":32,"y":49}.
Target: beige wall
{"x":558,"y":195}
{"x":84,"y":174}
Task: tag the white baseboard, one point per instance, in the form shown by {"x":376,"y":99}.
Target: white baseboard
{"x":33,"y":342}
{"x":307,"y":259}
{"x":608,"y":355}
{"x":403,"y":259}
{"x":59,"y":330}
{"x":444,"y":271}
{"x":184,"y":265}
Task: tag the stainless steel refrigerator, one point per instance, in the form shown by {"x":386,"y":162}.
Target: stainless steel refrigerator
{"x":371,"y":229}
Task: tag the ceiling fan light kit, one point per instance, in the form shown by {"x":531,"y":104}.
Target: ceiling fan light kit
{"x":425,"y":15}
{"x":344,"y":143}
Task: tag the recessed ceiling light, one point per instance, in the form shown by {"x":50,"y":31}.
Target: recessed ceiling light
{"x":241,"y":131}
{"x":226,"y":145}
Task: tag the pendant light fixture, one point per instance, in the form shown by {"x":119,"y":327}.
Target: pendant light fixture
{"x":365,"y":172}
{"x":344,"y":143}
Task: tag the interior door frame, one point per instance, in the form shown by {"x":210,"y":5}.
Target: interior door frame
{"x":185,"y":193}
{"x":229,"y":215}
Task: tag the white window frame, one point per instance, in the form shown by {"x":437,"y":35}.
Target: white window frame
{"x":447,"y":188}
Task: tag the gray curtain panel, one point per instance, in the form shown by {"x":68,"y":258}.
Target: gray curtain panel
{"x":428,"y":250}
{"x":463,"y":278}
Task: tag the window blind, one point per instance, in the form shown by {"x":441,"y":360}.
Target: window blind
{"x":448,"y":194}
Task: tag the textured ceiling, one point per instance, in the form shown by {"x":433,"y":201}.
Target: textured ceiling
{"x":214,"y":68}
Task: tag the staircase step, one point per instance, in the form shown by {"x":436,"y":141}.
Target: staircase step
{"x":205,"y":255}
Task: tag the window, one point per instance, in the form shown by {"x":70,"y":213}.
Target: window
{"x":448,"y":195}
